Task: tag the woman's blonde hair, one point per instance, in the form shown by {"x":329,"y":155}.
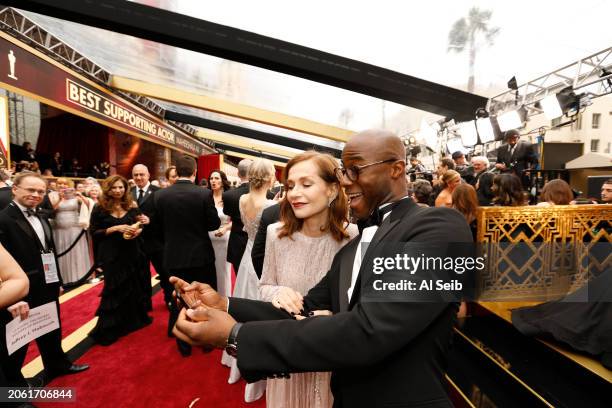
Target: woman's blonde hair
{"x":449,"y":176}
{"x":261,"y":174}
{"x":64,"y":180}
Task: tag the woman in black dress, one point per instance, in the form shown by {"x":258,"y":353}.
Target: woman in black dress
{"x":119,"y":251}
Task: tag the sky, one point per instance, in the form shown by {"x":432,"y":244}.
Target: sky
{"x":536,"y":37}
{"x":411,"y":37}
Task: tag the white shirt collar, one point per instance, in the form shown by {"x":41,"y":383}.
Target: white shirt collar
{"x":145,"y":188}
{"x":21,"y":207}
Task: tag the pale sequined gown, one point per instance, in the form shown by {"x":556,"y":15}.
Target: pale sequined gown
{"x":299,"y":263}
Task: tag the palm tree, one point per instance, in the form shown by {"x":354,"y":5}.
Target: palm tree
{"x":467,"y":32}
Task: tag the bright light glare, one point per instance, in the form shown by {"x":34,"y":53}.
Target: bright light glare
{"x":467,"y":130}
{"x":551,"y":107}
{"x":485,"y":130}
{"x":509,"y":120}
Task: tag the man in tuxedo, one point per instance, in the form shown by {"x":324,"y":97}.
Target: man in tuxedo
{"x":516,"y":156}
{"x":142,"y":194}
{"x":185,"y":213}
{"x":238,"y":238}
{"x":6,"y":195}
{"x":28,"y":238}
{"x":381,"y":353}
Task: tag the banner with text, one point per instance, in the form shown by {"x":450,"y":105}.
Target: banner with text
{"x":24,"y":71}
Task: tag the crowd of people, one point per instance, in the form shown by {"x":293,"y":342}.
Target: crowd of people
{"x":296,"y":255}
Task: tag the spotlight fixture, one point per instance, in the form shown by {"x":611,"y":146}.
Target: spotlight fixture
{"x":467,"y":131}
{"x":551,"y":107}
{"x":428,"y":134}
{"x":509,"y":120}
{"x":512,"y":84}
{"x":454,"y":145}
{"x":485,"y":130}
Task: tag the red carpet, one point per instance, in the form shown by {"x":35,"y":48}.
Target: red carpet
{"x":73,"y":314}
{"x":145,"y":369}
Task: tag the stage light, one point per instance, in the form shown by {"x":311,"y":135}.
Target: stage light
{"x":550,"y":106}
{"x":467,"y":131}
{"x":509,"y":120}
{"x":428,"y":135}
{"x":454,"y":145}
{"x":485,"y":130}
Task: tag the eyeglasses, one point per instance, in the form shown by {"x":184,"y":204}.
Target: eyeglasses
{"x":352,"y":173}
{"x":34,"y":191}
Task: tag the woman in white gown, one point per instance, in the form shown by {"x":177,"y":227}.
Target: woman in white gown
{"x":71,"y":211}
{"x":217,"y":180}
{"x":299,"y":251}
{"x":261,"y":178}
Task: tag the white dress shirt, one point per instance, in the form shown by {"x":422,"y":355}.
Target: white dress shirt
{"x":34,"y":222}
{"x":366,"y":236}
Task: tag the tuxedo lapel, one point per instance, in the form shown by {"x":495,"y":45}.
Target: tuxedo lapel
{"x":385,"y":228}
{"x":48,"y":233}
{"x":21,"y":221}
{"x":346,"y":272}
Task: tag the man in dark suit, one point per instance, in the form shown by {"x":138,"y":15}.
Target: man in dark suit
{"x":185,"y":213}
{"x":142,"y":194}
{"x":516,"y":156}
{"x":269,"y":216}
{"x":238,"y":238}
{"x":381,"y":353}
{"x":28,"y":238}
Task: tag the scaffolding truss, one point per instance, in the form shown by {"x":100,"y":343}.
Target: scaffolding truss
{"x":590,"y":76}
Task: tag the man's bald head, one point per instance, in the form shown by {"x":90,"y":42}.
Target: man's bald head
{"x":377,"y":144}
{"x":140,"y":174}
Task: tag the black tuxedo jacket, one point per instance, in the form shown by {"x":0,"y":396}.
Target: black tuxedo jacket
{"x":522,"y":158}
{"x":6,"y":196}
{"x":185,"y":213}
{"x":146,"y":196}
{"x":20,"y":240}
{"x":238,"y":238}
{"x":151,"y":232}
{"x":380,"y":353}
{"x":269,"y":216}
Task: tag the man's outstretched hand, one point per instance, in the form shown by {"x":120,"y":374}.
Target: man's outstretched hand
{"x":204,"y":327}
{"x":197,"y":293}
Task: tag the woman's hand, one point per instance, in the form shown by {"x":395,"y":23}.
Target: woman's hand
{"x":122,"y":228}
{"x":143,"y":219}
{"x":289,"y":300}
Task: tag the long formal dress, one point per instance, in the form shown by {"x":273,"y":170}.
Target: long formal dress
{"x":122,"y":305}
{"x":299,"y":263}
{"x":223,"y":268}
{"x":247,"y":286}
{"x":66,"y":229}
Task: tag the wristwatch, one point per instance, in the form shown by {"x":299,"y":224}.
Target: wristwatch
{"x":232,"y":341}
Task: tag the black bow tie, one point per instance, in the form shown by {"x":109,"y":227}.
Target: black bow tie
{"x":30,"y":212}
{"x":376,"y":218}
